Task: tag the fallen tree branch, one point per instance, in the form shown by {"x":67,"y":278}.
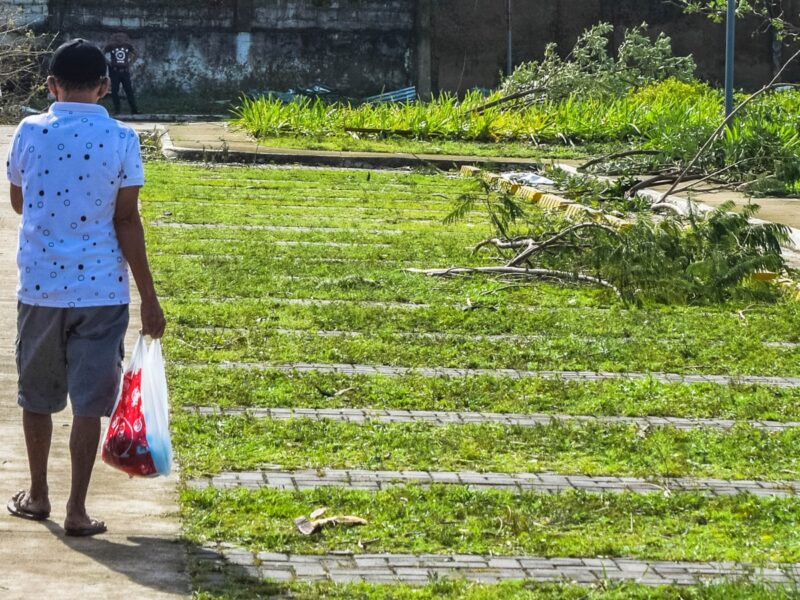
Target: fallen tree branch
{"x":616,"y":155}
{"x":516,"y":96}
{"x":537,"y":247}
{"x":714,"y":175}
{"x":772,"y":84}
{"x":519,"y":272}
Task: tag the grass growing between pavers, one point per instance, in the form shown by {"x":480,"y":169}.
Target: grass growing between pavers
{"x":248,"y":388}
{"x":553,"y":314}
{"x":224,"y":284}
{"x":437,"y":520}
{"x":192,"y":345}
{"x":238,"y":587}
{"x":210,"y":444}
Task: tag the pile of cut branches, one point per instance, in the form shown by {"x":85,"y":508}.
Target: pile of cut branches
{"x":694,"y":259}
{"x":21,"y":55}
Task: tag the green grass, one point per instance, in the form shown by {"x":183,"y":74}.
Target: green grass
{"x":239,"y":587}
{"x":671,"y":116}
{"x":558,"y":353}
{"x":223,"y":288}
{"x":213,"y":444}
{"x":456,"y":520}
{"x":236,"y":388}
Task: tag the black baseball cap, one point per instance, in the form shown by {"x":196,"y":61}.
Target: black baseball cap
{"x":78,"y":62}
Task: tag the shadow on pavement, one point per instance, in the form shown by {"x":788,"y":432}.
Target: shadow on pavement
{"x":166,"y":575}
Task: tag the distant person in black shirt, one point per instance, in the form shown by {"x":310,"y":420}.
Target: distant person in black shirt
{"x":120,"y":55}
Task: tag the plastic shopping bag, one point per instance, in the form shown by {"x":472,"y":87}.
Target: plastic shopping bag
{"x":138,"y":440}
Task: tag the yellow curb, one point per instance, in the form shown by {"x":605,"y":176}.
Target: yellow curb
{"x":576,"y":210}
{"x":530,"y":193}
{"x":765,"y":276}
{"x":544,"y":199}
{"x":509,"y":187}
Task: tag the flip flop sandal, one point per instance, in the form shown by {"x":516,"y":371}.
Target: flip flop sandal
{"x":96,"y":528}
{"x":15,"y":509}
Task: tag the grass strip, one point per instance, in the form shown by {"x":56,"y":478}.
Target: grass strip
{"x":248,"y":388}
{"x":224,"y":175}
{"x":233,"y":586}
{"x":452,"y":519}
{"x":739,"y":357}
{"x":236,"y":443}
{"x":557,"y":311}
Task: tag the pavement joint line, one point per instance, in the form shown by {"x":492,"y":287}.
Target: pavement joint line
{"x":421,"y":569}
{"x":210,"y":201}
{"x":315,"y":259}
{"x":302,"y":228}
{"x":412,"y":305}
{"x":436,"y":335}
{"x":361,"y":415}
{"x":544,"y":482}
{"x":421,"y":221}
{"x":397,"y":371}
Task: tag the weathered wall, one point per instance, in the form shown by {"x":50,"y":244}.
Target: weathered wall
{"x":27,"y":12}
{"x":219,"y":46}
{"x":470,"y":36}
{"x":222,"y":47}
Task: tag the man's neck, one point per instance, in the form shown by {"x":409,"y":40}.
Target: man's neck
{"x":78,"y":97}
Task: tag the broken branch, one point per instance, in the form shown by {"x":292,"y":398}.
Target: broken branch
{"x":519,"y":272}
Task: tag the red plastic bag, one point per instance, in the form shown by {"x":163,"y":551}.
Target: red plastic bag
{"x":142,"y":406}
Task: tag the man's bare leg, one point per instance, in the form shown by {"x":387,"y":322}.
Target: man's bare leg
{"x":83,"y":442}
{"x":38,"y":434}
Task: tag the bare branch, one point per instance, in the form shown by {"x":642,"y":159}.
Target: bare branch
{"x":519,"y":272}
{"x":772,"y":84}
{"x":534,"y":247}
{"x":616,"y":155}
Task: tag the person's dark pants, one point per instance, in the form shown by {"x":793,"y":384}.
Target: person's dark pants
{"x":122,"y":76}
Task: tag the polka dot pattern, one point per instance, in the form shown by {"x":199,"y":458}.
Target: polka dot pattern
{"x":68,"y":253}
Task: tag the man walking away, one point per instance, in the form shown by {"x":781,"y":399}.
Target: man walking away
{"x":120,"y":55}
{"x":75,"y":175}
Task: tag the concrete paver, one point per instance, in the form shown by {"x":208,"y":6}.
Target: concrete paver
{"x":141,"y":556}
{"x":543,"y":482}
{"x":361,"y":415}
{"x":414,"y":569}
{"x":393,"y":371}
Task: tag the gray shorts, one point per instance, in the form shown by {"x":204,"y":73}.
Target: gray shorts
{"x":75,"y":351}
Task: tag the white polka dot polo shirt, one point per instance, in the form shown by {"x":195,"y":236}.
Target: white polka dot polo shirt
{"x":70,"y":163}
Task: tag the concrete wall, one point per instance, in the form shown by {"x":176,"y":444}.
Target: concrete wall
{"x":224,"y":46}
{"x":27,"y":12}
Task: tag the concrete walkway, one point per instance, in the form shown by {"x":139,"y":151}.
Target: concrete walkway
{"x":223,"y":143}
{"x":140,"y":557}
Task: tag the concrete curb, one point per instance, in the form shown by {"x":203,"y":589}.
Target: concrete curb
{"x":348,"y":160}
